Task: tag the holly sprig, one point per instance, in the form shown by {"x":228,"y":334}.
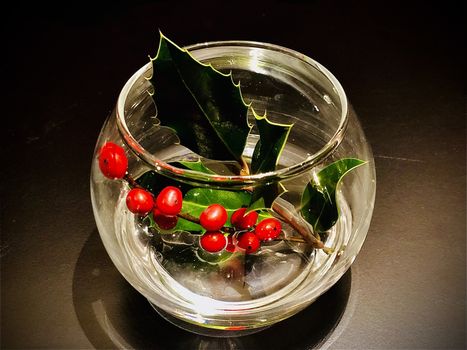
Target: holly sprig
{"x":210,"y":118}
{"x":206,"y":110}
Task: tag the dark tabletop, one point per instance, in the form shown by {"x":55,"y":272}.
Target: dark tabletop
{"x":403,"y":67}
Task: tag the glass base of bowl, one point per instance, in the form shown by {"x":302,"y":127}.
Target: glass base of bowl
{"x":205,"y":331}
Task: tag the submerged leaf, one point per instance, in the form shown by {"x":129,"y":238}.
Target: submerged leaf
{"x":202,"y":105}
{"x":319,"y":202}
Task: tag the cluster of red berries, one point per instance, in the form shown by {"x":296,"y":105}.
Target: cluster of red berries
{"x":214,"y":217}
{"x":165,"y":207}
{"x":168,"y":204}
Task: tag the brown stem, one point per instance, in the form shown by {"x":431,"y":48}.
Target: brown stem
{"x":292,"y":221}
{"x":285,"y":214}
{"x":291,"y":239}
{"x":245,"y":171}
{"x":132,"y":182}
{"x":188,"y":217}
{"x":301,"y":240}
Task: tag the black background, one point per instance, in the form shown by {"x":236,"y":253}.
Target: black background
{"x":402,"y":64}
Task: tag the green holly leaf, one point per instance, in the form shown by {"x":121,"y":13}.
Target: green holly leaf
{"x":319,"y":201}
{"x":202,"y":105}
{"x":155,"y":182}
{"x":263,"y":196}
{"x":272,"y":139}
{"x":266,"y":154}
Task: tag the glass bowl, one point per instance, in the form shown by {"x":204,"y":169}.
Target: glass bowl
{"x":238,"y":289}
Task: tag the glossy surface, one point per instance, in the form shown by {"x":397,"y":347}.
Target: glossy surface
{"x":268,"y":229}
{"x":112,"y":161}
{"x":213,"y":242}
{"x":169,"y":201}
{"x":401,"y":67}
{"x":139,"y":201}
{"x":213,"y":217}
{"x":165,"y":222}
{"x":241,"y":221}
{"x":249,"y":241}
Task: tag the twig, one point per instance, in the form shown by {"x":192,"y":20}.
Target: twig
{"x":245,"y":170}
{"x":291,"y":239}
{"x":284,"y":213}
{"x":292,"y":221}
{"x":132,"y":182}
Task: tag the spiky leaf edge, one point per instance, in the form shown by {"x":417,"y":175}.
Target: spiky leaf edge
{"x":255,"y":203}
{"x":242,"y":162}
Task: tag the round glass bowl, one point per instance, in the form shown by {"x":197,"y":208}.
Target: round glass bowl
{"x":238,"y":289}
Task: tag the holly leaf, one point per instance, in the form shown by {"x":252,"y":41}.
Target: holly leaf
{"x":319,"y":202}
{"x":155,"y":182}
{"x":266,"y":154}
{"x":202,"y":105}
{"x":272,"y":139}
{"x":263,"y":196}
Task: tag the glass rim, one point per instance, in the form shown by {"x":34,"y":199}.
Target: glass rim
{"x":188,"y":175}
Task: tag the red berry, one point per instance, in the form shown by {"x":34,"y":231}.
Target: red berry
{"x":113,"y":161}
{"x":268,"y":229}
{"x":249,"y":242}
{"x":213,"y":242}
{"x":139,"y":201}
{"x":165,"y":222}
{"x":213,"y":217}
{"x":170,"y":200}
{"x":241,"y":221}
